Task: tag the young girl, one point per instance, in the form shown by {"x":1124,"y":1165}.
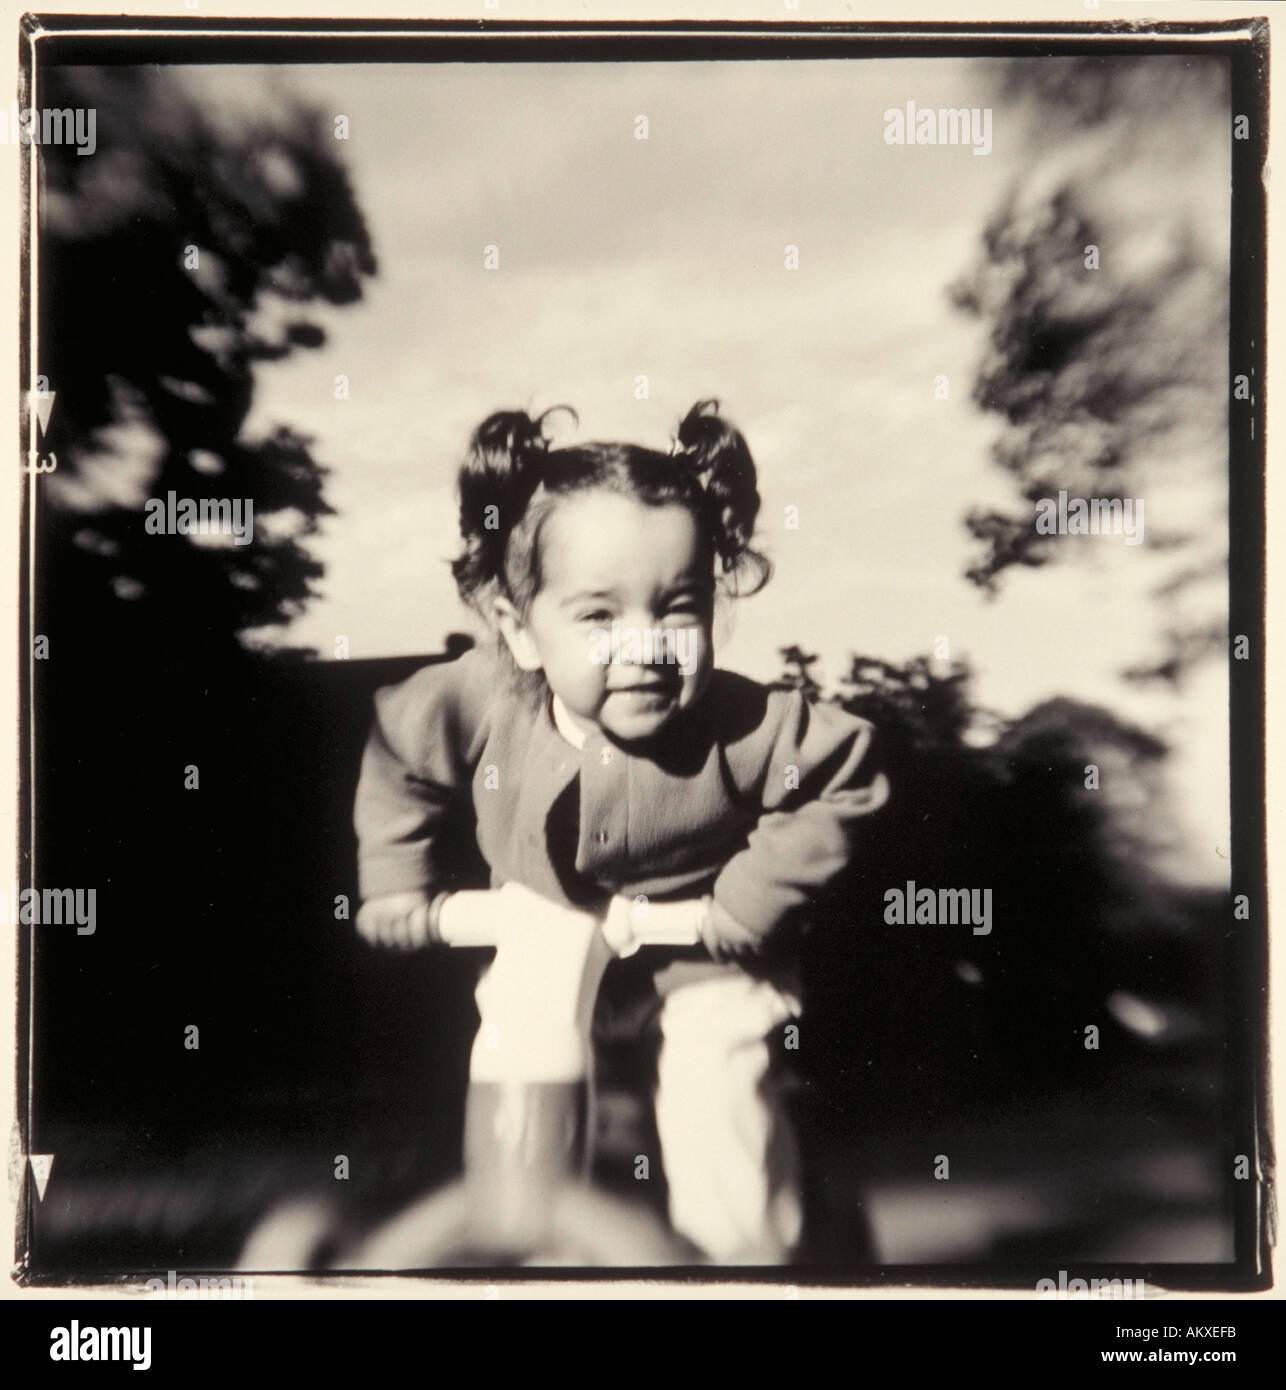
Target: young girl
{"x":596,"y":750}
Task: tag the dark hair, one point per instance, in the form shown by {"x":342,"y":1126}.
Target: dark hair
{"x":709,"y":471}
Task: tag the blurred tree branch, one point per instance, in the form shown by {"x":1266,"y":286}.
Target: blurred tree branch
{"x":1106,"y":366}
{"x":172,"y":262}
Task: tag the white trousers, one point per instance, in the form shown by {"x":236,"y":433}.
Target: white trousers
{"x":730,"y":1157}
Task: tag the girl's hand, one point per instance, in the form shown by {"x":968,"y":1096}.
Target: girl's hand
{"x":725,"y":938}
{"x":400,"y":920}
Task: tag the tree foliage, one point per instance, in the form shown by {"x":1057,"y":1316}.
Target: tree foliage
{"x":173,"y":261}
{"x":1106,"y":350}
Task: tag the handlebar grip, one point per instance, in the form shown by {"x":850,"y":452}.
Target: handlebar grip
{"x":469,"y":918}
{"x":631,"y":923}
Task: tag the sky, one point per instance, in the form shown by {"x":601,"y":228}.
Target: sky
{"x":665,"y":258}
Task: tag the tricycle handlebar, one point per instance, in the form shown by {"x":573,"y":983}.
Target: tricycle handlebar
{"x":485,"y":918}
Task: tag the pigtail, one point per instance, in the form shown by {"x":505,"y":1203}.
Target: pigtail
{"x":720,"y":457}
{"x":500,"y":472}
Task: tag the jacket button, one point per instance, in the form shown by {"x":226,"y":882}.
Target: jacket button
{"x":600,"y":836}
{"x":605,"y":756}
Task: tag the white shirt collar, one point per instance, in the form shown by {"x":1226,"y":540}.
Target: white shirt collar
{"x":566,"y":725}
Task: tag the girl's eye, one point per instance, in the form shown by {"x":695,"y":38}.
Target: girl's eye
{"x":597,"y":616}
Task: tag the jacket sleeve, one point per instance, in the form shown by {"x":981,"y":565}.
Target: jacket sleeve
{"x":814,"y":787}
{"x":416,"y":771}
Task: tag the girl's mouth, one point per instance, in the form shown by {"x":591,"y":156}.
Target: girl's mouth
{"x":653,"y":694}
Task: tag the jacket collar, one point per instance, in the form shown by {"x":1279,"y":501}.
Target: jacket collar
{"x":566,"y":725}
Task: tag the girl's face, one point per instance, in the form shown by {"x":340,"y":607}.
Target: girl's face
{"x":621,"y":626}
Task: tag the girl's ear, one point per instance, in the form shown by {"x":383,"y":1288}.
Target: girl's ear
{"x":516,"y":634}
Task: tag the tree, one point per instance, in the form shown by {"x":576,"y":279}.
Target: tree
{"x":172,"y":262}
{"x":1060,"y":812}
{"x":1106,"y":357}
{"x":797,"y":675}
